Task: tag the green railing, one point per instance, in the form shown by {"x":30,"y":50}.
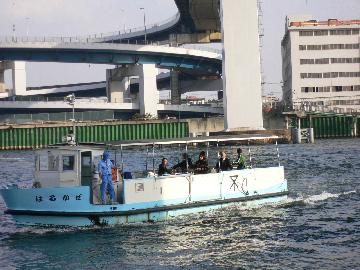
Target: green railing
{"x":39,"y":137}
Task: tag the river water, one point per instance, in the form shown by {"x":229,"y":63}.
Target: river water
{"x":318,"y":227}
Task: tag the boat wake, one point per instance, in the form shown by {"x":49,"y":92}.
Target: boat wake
{"x":313,"y":199}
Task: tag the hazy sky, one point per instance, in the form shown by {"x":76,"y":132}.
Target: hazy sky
{"x":83,"y":17}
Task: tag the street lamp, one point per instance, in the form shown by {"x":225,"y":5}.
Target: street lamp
{"x":70,"y":99}
{"x":143,"y":9}
{"x":123,"y":19}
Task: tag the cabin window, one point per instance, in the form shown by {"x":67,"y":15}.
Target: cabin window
{"x":53,"y":163}
{"x":48,"y":162}
{"x":68,"y":163}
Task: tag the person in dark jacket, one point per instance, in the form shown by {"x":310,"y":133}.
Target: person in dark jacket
{"x":184,"y":165}
{"x":201,"y":166}
{"x":223,"y":163}
{"x":163,"y":169}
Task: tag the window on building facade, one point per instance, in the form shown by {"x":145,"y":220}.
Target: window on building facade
{"x":334,"y":74}
{"x":321,"y":33}
{"x":306,"y":33}
{"x":346,"y":102}
{"x":316,"y":89}
{"x":345,"y":60}
{"x":314,"y":47}
{"x":311,"y":75}
{"x":322,"y":61}
{"x":329,"y":47}
{"x":307,"y":61}
{"x":349,"y":74}
{"x":355,"y":31}
{"x":337,"y":88}
{"x":340,"y":32}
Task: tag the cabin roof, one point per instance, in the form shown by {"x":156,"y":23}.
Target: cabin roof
{"x":126,"y":143}
{"x":224,"y":138}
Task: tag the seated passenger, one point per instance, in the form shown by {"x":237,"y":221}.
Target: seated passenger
{"x":184,"y":165}
{"x":223,"y":163}
{"x":240,"y":163}
{"x":163,"y":169}
{"x":201,"y":166}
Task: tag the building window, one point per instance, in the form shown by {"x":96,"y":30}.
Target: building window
{"x":341,"y":32}
{"x":334,"y":74}
{"x":345,"y":60}
{"x":355,"y":31}
{"x":317,"y":89}
{"x":307,"y":61}
{"x":322,"y":61}
{"x":321,"y":33}
{"x":314,"y":47}
{"x":310,"y":75}
{"x":306,"y":33}
{"x":329,"y":47}
{"x":337,"y":88}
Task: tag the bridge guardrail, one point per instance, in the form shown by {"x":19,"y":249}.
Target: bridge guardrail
{"x":101,"y":37}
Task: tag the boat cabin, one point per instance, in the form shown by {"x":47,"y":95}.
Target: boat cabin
{"x":66,"y":166}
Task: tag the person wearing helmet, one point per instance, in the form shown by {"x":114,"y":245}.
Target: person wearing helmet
{"x":104,"y":167}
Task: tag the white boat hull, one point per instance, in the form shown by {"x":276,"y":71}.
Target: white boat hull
{"x":147,"y":199}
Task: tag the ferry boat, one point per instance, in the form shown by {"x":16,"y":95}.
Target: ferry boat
{"x":66,"y":191}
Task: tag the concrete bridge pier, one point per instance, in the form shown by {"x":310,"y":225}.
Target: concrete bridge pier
{"x":175,"y":87}
{"x":18,"y":77}
{"x":118,"y":86}
{"x":241,"y":65}
{"x":148,"y":93}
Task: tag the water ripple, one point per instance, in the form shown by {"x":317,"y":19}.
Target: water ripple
{"x":317,"y":227}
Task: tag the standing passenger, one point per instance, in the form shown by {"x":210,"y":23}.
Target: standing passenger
{"x":223,"y":163}
{"x":104,"y":167}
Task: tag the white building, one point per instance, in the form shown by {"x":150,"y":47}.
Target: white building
{"x":321,"y":64}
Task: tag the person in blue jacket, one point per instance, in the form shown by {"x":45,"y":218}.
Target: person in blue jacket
{"x":104,"y":167}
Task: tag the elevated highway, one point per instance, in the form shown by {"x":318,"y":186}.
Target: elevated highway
{"x":239,"y":33}
{"x":114,"y":54}
{"x":194,"y":16}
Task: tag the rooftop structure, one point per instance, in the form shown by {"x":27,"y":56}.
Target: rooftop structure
{"x":321,"y":64}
